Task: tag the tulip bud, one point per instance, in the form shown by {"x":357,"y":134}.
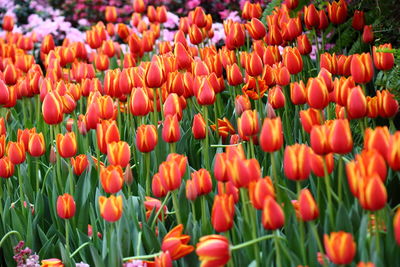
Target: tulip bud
{"x":119,"y":153}
{"x":110,"y":208}
{"x":340,"y":139}
{"x":337,"y":12}
{"x":222,"y":213}
{"x":273,"y":216}
{"x":6,"y":167}
{"x":340,"y":247}
{"x":146,"y":138}
{"x":213,"y":250}
{"x":8,"y":23}
{"x":79,"y":164}
{"x":199,"y":127}
{"x":66,"y":145}
{"x":16,"y":152}
{"x":52,"y":108}
{"x":358,"y":20}
{"x":308,"y":208}
{"x":383,"y":60}
{"x":260,"y":190}
{"x":111,"y":179}
{"x":36,"y":145}
{"x":66,"y":206}
{"x":292,"y":60}
{"x":248,"y":123}
{"x":393,"y":154}
{"x":317,"y":93}
{"x":368,"y":34}
{"x":296,"y":163}
{"x":361,"y":68}
{"x":356,"y":103}
{"x":271,"y":136}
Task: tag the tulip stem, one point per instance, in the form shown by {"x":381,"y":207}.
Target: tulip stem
{"x":340,"y":175}
{"x":328,"y":192}
{"x":142,"y":257}
{"x":302,"y":241}
{"x":172,"y":148}
{"x":317,"y":46}
{"x":79,"y":248}
{"x":206,"y":141}
{"x":155,"y":117}
{"x":13,"y":232}
{"x":253,"y":241}
{"x":204,"y":216}
{"x":176,"y":206}
{"x":278,"y":253}
{"x":259,"y":100}
{"x":67,"y":235}
{"x":21,"y":189}
{"x":58,"y":160}
{"x":316,"y":236}
{"x":160,"y":209}
{"x":161,"y":104}
{"x":377,"y":233}
{"x":71,"y":179}
{"x":147,"y":175}
{"x":274,"y":176}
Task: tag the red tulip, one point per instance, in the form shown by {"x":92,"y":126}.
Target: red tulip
{"x":66,"y":206}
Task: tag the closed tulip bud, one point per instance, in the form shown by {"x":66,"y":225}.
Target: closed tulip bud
{"x":155,"y":73}
{"x":303,"y":44}
{"x":372,"y":107}
{"x":234,"y":75}
{"x":119,"y":153}
{"x":172,"y":106}
{"x":248,"y":124}
{"x":242,"y":172}
{"x":213,"y":250}
{"x":66,"y":145}
{"x":176,"y":243}
{"x":220,"y":167}
{"x":52,"y":108}
{"x":107,"y":132}
{"x":235,"y":35}
{"x":16,"y":152}
{"x":393,"y":154}
{"x":157,"y":187}
{"x":79,"y":164}
{"x":36,"y":145}
{"x":161,"y":14}
{"x":271,"y":55}
{"x":222,"y":213}
{"x":111,"y":14}
{"x":377,"y":139}
{"x":319,"y":139}
{"x":396,"y":226}
{"x":273,"y":216}
{"x":181,"y":160}
{"x":361,"y":68}
{"x":308,"y":209}
{"x":195,"y":35}
{"x":8,"y":23}
{"x":260,"y":190}
{"x":171,"y":131}
{"x":139,"y":102}
{"x":170,"y":175}
{"x":372,"y":193}
{"x":282,"y":76}
{"x":205,"y":94}
{"x":139,"y":6}
{"x":383,"y":60}
{"x":23,"y":136}
{"x":271,"y":136}
{"x":387,"y":104}
{"x":191,"y":191}
{"x":317,"y":163}
{"x":292,"y":60}
{"x":253,"y":64}
{"x":276,"y":97}
{"x":242,"y":103}
{"x":370,"y":162}
{"x":101,"y":62}
{"x":323,"y":20}
{"x":65,"y":206}
{"x":6,"y":167}
{"x":256,"y":29}
{"x":202,"y":181}
{"x":368,"y":34}
{"x":199,"y":127}
{"x":358,"y":20}
{"x":111,"y":179}
{"x":296,"y":163}
{"x":356,"y":103}
{"x":337,"y":12}
{"x":110,"y":208}
{"x":311,"y":17}
{"x":309,"y":118}
{"x":146,"y":138}
{"x":340,"y":139}
{"x":251,"y":10}
{"x":317,"y":93}
{"x":340,"y":247}
{"x":298,"y":93}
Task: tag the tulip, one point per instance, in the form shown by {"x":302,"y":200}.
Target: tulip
{"x":271,"y":136}
{"x":242,"y":103}
{"x":3,"y":130}
{"x":139,"y":6}
{"x":107,"y":132}
{"x":180,"y":160}
{"x":111,"y":179}
{"x":66,"y":145}
{"x":356,"y":103}
{"x":396,"y":226}
{"x":8,"y":23}
{"x":205,"y":93}
{"x":52,"y":263}
{"x":292,"y":60}
{"x":337,"y":12}
{"x":155,"y":73}
{"x":260,"y":190}
{"x":368,"y":34}
{"x":172,"y":106}
{"x":296,"y":163}
{"x":317,"y":163}
{"x":220,"y":167}
{"x":79,"y":164}
{"x":163,"y":260}
{"x":340,"y":247}
{"x":111,"y":14}
{"x":202,"y":181}
{"x":311,"y":17}
{"x":323,"y":20}
{"x":298,"y":93}
{"x":310,"y":117}
{"x":361,"y":68}
{"x":213,"y":251}
{"x":308,"y":208}
{"x":176,"y":243}
{"x":110,"y":208}
{"x":139,"y":102}
{"x":146,"y":138}
{"x":358,"y":20}
{"x":242,"y":172}
{"x":317,"y":93}
{"x":16,"y":152}
{"x":282,"y":75}
{"x":36,"y":145}
{"x":383,"y":60}
{"x":66,"y":206}
{"x":303,"y":44}
{"x":170,"y":175}
{"x":256,"y":29}
{"x":365,"y":264}
{"x":235,"y":35}
{"x":372,"y":193}
{"x":199,"y":127}
{"x":248,"y":123}
{"x":119,"y":153}
{"x":319,"y":139}
{"x":2,"y":145}
{"x":329,"y":62}
{"x":387,"y":104}
{"x":222,"y":212}
{"x":234,"y":75}
{"x":273,"y":216}
{"x":171,"y":132}
{"x":6,"y":167}
{"x":157,"y":187}
{"x":393,"y":152}
{"x":276,"y":97}
{"x":340,"y":139}
{"x":377,"y":139}
{"x":52,"y":108}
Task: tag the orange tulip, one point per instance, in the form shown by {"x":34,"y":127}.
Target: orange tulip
{"x":235,"y":35}
{"x":372,"y":192}
{"x":222,"y":213}
{"x":139,"y":6}
{"x":36,"y":145}
{"x":3,"y":130}
{"x":361,"y":68}
{"x":234,"y":75}
{"x":146,"y":138}
{"x":260,"y":190}
{"x":6,"y":167}
{"x":106,"y":133}
{"x":176,"y":243}
{"x":180,"y":160}
{"x":383,"y":60}
{"x":310,"y":117}
{"x":337,"y":12}
{"x":393,"y":152}
{"x":2,"y":145}
{"x":256,"y":29}
{"x":248,"y":124}
{"x":111,"y":14}
{"x":66,"y":145}
{"x":172,"y":106}
{"x":79,"y":164}
{"x":202,"y":181}
{"x":340,"y":139}
{"x":317,"y":163}
{"x":170,"y":175}
{"x":8,"y":23}
{"x":155,"y":73}
{"x":110,"y":208}
{"x":111,"y":179}
{"x":139,"y":102}
{"x":292,"y":60}
{"x":273,"y":216}
{"x":52,"y":108}
{"x":298,"y":93}
{"x":66,"y":206}
{"x":317,"y":93}
{"x":358,"y":20}
{"x":52,"y":263}
{"x":171,"y":131}
{"x":308,"y":208}
{"x":163,"y":260}
{"x":213,"y":250}
{"x":303,"y":44}
{"x":16,"y":152}
{"x":356,"y":103}
{"x":242,"y":172}
{"x":311,"y":17}
{"x":368,"y":34}
{"x":296,"y":163}
{"x":199,"y":127}
{"x":340,"y":247}
{"x":319,"y":139}
{"x":387,"y":104}
{"x":119,"y":153}
{"x":271,"y":136}
{"x":276,"y":97}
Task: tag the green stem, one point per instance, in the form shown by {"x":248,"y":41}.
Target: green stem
{"x":155,"y":116}
{"x":328,"y":192}
{"x":377,"y":241}
{"x":13,"y":232}
{"x":340,"y":175}
{"x":21,"y":189}
{"x":203,"y":215}
{"x":37,"y":175}
{"x":253,"y":241}
{"x":143,"y":257}
{"x":277,"y":244}
{"x":67,"y":235}
{"x":259,"y":100}
{"x":274,"y":176}
{"x":317,"y":46}
{"x":147,"y":175}
{"x":316,"y":236}
{"x":79,"y":248}
{"x":176,"y":206}
{"x":58,"y":160}
{"x":71,"y":179}
{"x":254,"y":233}
{"x":206,"y":140}
{"x":160,"y":209}
{"x":172,"y":147}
